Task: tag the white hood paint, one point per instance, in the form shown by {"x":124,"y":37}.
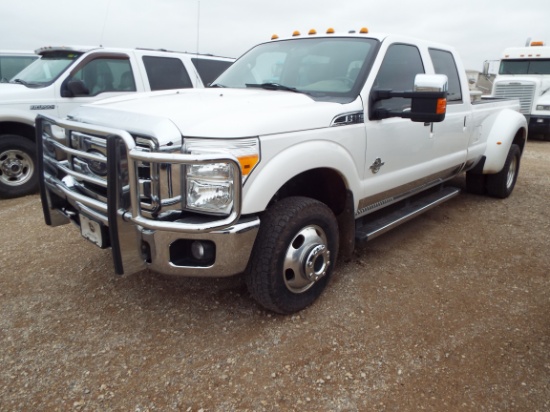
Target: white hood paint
{"x":12,"y":93}
{"x":215,"y":113}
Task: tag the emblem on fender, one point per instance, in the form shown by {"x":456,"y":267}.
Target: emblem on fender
{"x":375,"y":167}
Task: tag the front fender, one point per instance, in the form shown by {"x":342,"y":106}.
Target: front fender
{"x":500,"y":137}
{"x":17,"y":116}
{"x":293,"y":161}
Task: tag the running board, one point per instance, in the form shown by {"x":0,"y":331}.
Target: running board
{"x":366,"y":230}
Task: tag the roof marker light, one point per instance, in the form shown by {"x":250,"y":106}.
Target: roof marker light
{"x":330,"y":30}
{"x":537,"y":43}
{"x":274,"y":37}
{"x":295,"y":33}
{"x":312,"y":31}
{"x":364,"y":30}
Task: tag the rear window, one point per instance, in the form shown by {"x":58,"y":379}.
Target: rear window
{"x":166,"y":73}
{"x":209,"y":69}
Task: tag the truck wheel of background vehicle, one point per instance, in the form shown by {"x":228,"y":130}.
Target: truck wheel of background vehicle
{"x":476,"y":183}
{"x":18,"y":176}
{"x":501,"y":184}
{"x":294,"y":254}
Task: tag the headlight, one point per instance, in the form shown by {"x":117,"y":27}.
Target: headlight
{"x":247,"y":151}
{"x":543,"y":107}
{"x":210,"y":186}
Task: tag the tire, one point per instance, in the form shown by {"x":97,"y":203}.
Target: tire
{"x":476,"y":183}
{"x":294,"y":255}
{"x":18,"y":172}
{"x":502,"y":184}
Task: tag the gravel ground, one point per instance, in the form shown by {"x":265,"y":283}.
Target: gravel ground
{"x":449,"y":312}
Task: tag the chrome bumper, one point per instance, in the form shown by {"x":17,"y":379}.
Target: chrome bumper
{"x":138,"y":241}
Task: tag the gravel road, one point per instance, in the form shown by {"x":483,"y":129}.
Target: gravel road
{"x":450,"y":312}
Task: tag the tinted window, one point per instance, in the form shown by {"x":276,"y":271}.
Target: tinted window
{"x":539,"y":66}
{"x":166,"y":73}
{"x":208,"y":69}
{"x":444,"y":63}
{"x":107,"y":75}
{"x":11,"y":65}
{"x":400,"y":66}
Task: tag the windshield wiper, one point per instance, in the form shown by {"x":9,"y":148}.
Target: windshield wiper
{"x":274,"y":86}
{"x":214,"y":85}
{"x":20,"y":81}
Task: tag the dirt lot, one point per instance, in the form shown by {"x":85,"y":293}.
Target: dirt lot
{"x":449,"y":312}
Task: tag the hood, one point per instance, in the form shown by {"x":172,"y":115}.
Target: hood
{"x":11,"y":93}
{"x":216,"y":112}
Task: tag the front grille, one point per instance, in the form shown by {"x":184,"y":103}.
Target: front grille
{"x":522,"y":91}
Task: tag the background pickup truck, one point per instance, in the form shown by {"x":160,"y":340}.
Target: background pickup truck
{"x":304,"y":146}
{"x":65,"y":78}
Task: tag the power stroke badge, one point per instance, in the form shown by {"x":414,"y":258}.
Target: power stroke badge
{"x":42,"y":106}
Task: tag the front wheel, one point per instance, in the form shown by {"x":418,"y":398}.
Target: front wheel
{"x":294,"y":254}
{"x":18,"y":174}
{"x":502,"y":184}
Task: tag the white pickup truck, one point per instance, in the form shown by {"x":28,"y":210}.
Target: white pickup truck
{"x":66,"y":77}
{"x":304,"y":146}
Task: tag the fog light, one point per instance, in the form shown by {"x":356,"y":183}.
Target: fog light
{"x":202,"y":250}
{"x":189,"y":252}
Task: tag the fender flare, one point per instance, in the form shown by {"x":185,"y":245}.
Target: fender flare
{"x":500,"y":138}
{"x":293,"y":161}
{"x":18,"y":116}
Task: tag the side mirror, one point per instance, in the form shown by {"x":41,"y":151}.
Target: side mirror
{"x":75,"y":88}
{"x":429,"y":103}
{"x":428,"y":100}
{"x":486,"y":68}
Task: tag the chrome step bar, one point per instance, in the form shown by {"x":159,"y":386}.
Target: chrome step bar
{"x":366,"y":229}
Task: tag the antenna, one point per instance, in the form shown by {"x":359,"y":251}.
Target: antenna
{"x":528,"y":42}
{"x":105,"y":22}
{"x":198,"y":23}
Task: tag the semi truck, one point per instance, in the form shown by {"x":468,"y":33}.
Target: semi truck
{"x":524,"y":74}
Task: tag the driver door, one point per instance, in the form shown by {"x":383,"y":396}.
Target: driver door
{"x":397,"y":149}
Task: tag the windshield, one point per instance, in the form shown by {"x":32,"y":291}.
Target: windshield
{"x":324,"y":68}
{"x":45,"y":70}
{"x":538,"y":66}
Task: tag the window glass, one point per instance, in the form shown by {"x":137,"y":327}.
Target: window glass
{"x":539,"y":66}
{"x":11,"y":65}
{"x":49,"y":67}
{"x":166,"y":73}
{"x":107,"y":75}
{"x":401,"y":64}
{"x":444,"y":63}
{"x":209,"y":69}
{"x":324,"y":68}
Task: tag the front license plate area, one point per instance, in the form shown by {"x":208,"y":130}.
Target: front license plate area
{"x":95,"y":232}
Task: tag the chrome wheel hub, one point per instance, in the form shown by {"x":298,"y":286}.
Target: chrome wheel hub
{"x":16,"y":167}
{"x":307,"y":259}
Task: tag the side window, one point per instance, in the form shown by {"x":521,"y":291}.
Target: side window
{"x":107,"y":75}
{"x":209,"y":69}
{"x":166,"y":73}
{"x":400,"y":66}
{"x":444,"y":63}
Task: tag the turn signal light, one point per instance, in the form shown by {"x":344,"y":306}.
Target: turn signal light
{"x":441,"y":106}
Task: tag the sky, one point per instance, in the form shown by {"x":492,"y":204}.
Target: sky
{"x":478,"y":29}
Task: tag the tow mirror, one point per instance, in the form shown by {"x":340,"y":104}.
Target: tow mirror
{"x":428,"y":100}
